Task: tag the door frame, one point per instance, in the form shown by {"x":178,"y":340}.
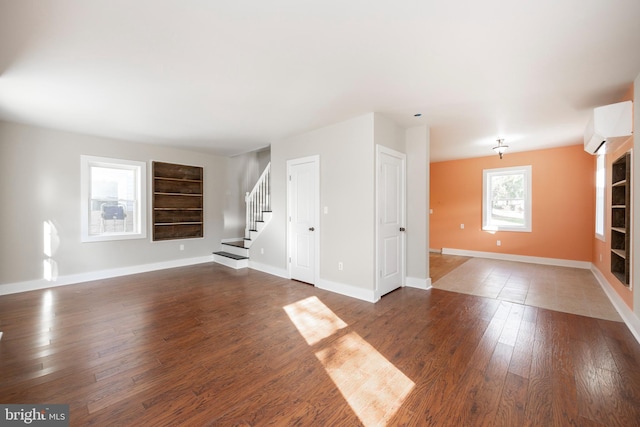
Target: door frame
{"x":315,"y":159}
{"x":380,"y":150}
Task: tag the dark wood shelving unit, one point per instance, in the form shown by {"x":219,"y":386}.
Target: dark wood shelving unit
{"x":621,"y":218}
{"x":177,"y":201}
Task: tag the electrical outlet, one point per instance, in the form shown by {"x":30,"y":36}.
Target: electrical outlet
{"x":498,"y":243}
{"x":261,"y":251}
{"x":182,"y":247}
{"x":340,"y":265}
{"x":461,"y":226}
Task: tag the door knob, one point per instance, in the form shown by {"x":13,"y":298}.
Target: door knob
{"x":312,"y":229}
{"x":403,"y":229}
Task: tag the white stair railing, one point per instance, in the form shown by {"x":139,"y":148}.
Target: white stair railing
{"x":258,"y":201}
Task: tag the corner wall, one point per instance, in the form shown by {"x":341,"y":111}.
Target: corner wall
{"x":347,"y":191}
{"x":417,"y":146}
{"x":40,"y":181}
{"x":346,"y":232}
{"x":602,"y":249}
{"x":242,"y":174}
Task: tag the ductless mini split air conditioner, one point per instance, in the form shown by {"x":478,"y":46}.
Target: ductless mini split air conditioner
{"x":607,"y":125}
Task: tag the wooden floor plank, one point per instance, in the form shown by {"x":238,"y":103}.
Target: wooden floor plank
{"x":207,"y":345}
{"x":510,"y":411}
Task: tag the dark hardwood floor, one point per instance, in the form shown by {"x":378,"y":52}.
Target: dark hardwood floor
{"x":440,"y":265}
{"x":207,"y":345}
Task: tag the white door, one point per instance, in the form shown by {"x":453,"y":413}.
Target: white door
{"x":303,"y":204}
{"x":390,"y":196}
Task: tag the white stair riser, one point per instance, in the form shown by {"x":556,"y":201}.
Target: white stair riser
{"x":235,"y":250}
{"x":233,"y":263}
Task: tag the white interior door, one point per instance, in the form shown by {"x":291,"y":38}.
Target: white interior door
{"x":303,"y":204}
{"x":390,"y":212}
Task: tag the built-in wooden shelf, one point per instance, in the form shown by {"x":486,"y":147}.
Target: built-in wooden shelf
{"x":621,"y":218}
{"x":177,"y":201}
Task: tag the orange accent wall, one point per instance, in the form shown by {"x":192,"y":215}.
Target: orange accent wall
{"x":563,"y":205}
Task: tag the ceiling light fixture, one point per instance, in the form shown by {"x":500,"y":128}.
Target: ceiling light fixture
{"x":500,"y":148}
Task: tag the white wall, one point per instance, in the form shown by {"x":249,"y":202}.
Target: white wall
{"x":347,"y":190}
{"x":417,"y":149}
{"x":40,"y":181}
{"x":388,"y":134}
{"x":346,"y":233}
{"x":414,"y":142}
{"x":242,"y":174}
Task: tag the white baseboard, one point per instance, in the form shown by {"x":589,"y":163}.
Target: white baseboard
{"x":414,"y":282}
{"x":519,"y":258}
{"x":280,"y":272}
{"x":632,"y":321}
{"x":351,"y":291}
{"x":71,"y":279}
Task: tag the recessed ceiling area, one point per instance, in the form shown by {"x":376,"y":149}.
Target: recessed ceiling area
{"x":230,"y":77}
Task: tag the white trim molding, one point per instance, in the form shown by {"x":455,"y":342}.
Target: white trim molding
{"x":487,"y":198}
{"x":368,"y":295}
{"x":630,"y":319}
{"x":139,"y":197}
{"x":519,"y":258}
{"x":414,"y":282}
{"x":72,"y":279}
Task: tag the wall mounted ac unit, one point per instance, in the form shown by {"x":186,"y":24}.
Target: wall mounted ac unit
{"x":608,"y":124}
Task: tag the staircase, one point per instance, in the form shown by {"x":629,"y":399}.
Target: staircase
{"x":258,"y":214}
{"x":233,"y":254}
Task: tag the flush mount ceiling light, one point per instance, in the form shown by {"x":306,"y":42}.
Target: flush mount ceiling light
{"x":500,"y":148}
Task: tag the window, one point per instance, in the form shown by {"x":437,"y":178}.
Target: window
{"x":507,"y":199}
{"x":600,"y":193}
{"x":113,"y":199}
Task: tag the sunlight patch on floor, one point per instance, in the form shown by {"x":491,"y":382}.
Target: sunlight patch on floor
{"x":314,"y":320}
{"x":373,"y":386}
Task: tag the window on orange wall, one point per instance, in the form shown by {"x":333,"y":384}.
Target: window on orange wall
{"x":507,"y":199}
{"x":600,"y":193}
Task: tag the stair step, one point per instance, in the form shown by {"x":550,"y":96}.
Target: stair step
{"x":239,"y":243}
{"x":230,"y":255}
{"x":231,"y":260}
{"x":237,"y":248}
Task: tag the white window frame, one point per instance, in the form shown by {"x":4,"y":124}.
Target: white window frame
{"x":140,"y":169}
{"x":601,"y":181}
{"x":487,"y":174}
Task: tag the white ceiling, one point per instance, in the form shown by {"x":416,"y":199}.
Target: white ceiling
{"x":232,"y":76}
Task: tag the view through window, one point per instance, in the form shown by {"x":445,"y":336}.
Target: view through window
{"x":507,"y":199}
{"x":113,"y":190}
